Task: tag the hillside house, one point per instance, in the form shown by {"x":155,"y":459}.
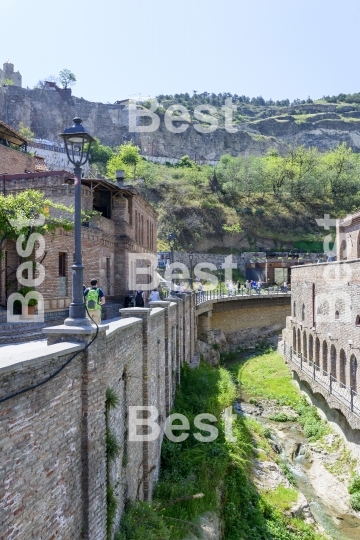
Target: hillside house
{"x":125,"y":223}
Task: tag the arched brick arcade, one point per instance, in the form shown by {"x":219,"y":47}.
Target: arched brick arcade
{"x":343,"y":371}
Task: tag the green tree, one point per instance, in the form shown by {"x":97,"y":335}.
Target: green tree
{"x":8,"y":82}
{"x":342,"y":171}
{"x":67,"y":78}
{"x":26,"y":132}
{"x":127,"y":158}
{"x":100,"y":153}
{"x":27,"y":212}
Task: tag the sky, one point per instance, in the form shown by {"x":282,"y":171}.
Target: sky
{"x":275,"y":48}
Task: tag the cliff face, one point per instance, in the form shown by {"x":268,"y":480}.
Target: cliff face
{"x":47,"y":113}
{"x":324,"y":126}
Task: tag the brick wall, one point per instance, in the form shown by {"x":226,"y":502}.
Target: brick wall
{"x":13,"y":161}
{"x":326,"y":300}
{"x":247,"y":319}
{"x":53,"y":474}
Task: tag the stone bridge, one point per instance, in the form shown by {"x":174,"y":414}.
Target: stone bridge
{"x":242,"y":318}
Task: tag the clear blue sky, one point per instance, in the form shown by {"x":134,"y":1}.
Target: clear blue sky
{"x":274,"y":48}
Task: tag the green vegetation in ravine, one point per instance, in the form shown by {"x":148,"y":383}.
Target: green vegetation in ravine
{"x":198,"y":477}
{"x":272,"y":200}
{"x":354,"y":490}
{"x":268,"y":377}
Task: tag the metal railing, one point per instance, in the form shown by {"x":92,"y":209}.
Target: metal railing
{"x":52,"y":148}
{"x":345,"y":395}
{"x":204,"y":296}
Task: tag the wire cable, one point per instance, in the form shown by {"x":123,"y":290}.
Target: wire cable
{"x":19,"y":392}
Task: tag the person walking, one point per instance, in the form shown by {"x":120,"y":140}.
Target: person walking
{"x":139,"y":298}
{"x":94,"y":299}
{"x":154,"y":296}
{"x":231,"y":288}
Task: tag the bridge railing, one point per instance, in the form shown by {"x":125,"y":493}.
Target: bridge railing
{"x":204,"y":296}
{"x":344,"y":394}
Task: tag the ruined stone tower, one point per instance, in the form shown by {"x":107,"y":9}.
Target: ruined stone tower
{"x":8,"y":73}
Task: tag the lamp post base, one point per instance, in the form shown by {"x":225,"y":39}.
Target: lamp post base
{"x":71,"y":321}
{"x":77,"y":315}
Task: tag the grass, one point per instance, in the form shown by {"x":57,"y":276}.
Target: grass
{"x":345,"y":462}
{"x":220,"y":470}
{"x":281,"y":497}
{"x":267,"y":377}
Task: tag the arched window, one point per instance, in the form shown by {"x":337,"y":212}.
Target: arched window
{"x":353,"y":372}
{"x":298,"y":341}
{"x":311,"y":348}
{"x":342,"y":367}
{"x":294,"y":339}
{"x":303,"y":312}
{"x":294,"y":309}
{"x":333,"y":361}
{"x":357,"y":322}
{"x":305,"y":352}
{"x":317,"y":352}
{"x":324,"y":357}
{"x":337,"y":315}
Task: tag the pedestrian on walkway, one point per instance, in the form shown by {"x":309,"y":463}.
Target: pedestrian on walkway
{"x":94,"y":299}
{"x":154,"y":296}
{"x":139,"y":298}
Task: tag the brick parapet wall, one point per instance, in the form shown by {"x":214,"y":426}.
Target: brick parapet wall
{"x":53,"y":437}
{"x":244,"y":320}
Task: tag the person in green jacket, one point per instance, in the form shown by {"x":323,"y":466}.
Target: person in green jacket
{"x":94,"y":299}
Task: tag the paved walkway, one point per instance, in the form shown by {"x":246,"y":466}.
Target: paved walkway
{"x":20,"y":354}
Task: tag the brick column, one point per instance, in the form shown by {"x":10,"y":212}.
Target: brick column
{"x":168,"y":371}
{"x":178,"y":348}
{"x":93,"y":447}
{"x":144,"y":314}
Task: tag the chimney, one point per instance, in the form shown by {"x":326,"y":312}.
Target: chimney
{"x":120,"y":175}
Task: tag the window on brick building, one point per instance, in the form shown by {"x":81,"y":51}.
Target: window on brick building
{"x":337,"y":315}
{"x":357,"y":322}
{"x":62,"y":264}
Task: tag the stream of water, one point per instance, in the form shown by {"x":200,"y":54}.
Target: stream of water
{"x":288,"y":436}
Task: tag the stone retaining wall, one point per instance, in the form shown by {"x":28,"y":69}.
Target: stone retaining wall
{"x":53,"y":473}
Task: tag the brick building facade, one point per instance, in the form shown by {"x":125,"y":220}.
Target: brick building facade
{"x":125,"y":224}
{"x":324,"y":328}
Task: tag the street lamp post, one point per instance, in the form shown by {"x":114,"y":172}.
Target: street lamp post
{"x":75,"y":139}
{"x":191,"y":256}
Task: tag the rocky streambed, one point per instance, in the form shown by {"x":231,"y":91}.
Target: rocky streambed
{"x":323,"y":496}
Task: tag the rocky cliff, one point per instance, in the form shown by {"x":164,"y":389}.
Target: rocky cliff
{"x":322,"y":125}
